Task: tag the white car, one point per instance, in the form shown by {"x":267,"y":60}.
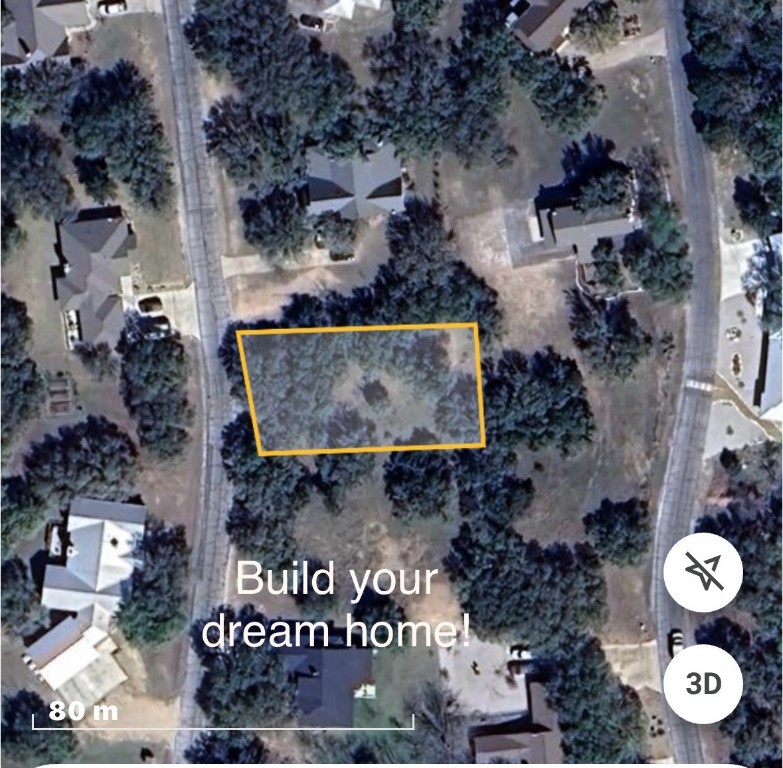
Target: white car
{"x":112,"y":7}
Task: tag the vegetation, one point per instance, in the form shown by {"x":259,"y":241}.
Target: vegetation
{"x":98,"y":359}
{"x":20,"y":607}
{"x":752,"y":523}
{"x":417,"y":14}
{"x":152,"y":610}
{"x":94,"y":174}
{"x":562,"y":89}
{"x":337,"y":234}
{"x":227,"y":747}
{"x":736,"y":78}
{"x":310,"y":603}
{"x":153,"y":385}
{"x":11,"y":233}
{"x":539,"y":595}
{"x":600,"y":718}
{"x":31,"y":172}
{"x":620,"y":531}
{"x":40,"y":90}
{"x":607,"y":334}
{"x":120,"y":101}
{"x":418,"y":483}
{"x":241,"y":686}
{"x":268,"y":492}
{"x":22,"y":384}
{"x":596,"y":27}
{"x":25,"y":746}
{"x":276,"y":223}
{"x":537,"y":400}
{"x":606,"y":262}
{"x":23,"y":511}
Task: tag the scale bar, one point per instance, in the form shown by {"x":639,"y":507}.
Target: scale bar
{"x":412,"y":727}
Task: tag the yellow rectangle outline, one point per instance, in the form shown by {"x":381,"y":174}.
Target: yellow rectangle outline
{"x":359,"y":329}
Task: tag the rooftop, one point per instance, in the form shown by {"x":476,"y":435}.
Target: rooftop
{"x":542,"y":24}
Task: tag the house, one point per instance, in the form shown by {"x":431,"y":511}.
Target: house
{"x":356,"y":188}
{"x":92,"y":251}
{"x":561,"y":226}
{"x":541,"y":25}
{"x":329,"y":677}
{"x":92,"y":556}
{"x":332,"y":10}
{"x":40,"y":29}
{"x":534,"y":739}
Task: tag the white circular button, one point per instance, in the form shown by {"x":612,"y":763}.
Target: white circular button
{"x":703,"y":684}
{"x":703,"y":572}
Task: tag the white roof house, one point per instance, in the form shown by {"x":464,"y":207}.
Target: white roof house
{"x":75,"y":656}
{"x":345,"y":9}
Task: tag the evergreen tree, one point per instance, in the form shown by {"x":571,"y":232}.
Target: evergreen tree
{"x":620,"y":531}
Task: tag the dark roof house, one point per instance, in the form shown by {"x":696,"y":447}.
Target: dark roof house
{"x":40,"y":28}
{"x":355,"y":188}
{"x":92,"y":249}
{"x":541,"y":24}
{"x":327,"y":678}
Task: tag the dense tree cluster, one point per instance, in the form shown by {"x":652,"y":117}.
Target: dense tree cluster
{"x":596,"y":27}
{"x":90,"y":458}
{"x":600,"y":718}
{"x":98,"y":359}
{"x":267,"y":494}
{"x":373,"y":608}
{"x":152,"y":610}
{"x":606,"y":260}
{"x":31,"y":172}
{"x":606,"y":332}
{"x":417,"y":14}
{"x":120,"y":101}
{"x":620,"y":531}
{"x":540,"y":596}
{"x":562,"y":89}
{"x":228,"y":747}
{"x":22,"y":384}
{"x":241,"y":686}
{"x":39,"y":90}
{"x":19,"y":597}
{"x":275,"y":222}
{"x":536,"y":400}
{"x":418,"y":483}
{"x":752,"y":523}
{"x":25,"y":746}
{"x":11,"y":233}
{"x":153,"y":384}
{"x":736,"y":78}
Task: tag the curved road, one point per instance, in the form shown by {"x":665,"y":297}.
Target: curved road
{"x":680,"y":501}
{"x":198,"y":223}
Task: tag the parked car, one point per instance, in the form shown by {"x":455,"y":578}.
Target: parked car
{"x":676,"y":642}
{"x":112,"y":7}
{"x":311,"y":22}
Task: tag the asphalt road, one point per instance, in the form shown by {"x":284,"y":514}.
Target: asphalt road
{"x":680,"y":501}
{"x":198,"y":222}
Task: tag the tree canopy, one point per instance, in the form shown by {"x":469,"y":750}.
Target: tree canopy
{"x":228,"y":747}
{"x":596,"y":27}
{"x":620,"y":531}
{"x":153,"y":608}
{"x":20,"y":601}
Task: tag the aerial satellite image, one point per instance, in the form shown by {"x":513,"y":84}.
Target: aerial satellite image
{"x":391,"y":382}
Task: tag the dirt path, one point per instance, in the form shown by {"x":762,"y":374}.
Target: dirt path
{"x":647,"y":45}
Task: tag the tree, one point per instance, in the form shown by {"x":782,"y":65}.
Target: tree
{"x":417,"y":14}
{"x":456,"y":413}
{"x":608,"y":191}
{"x":418,"y":483}
{"x":311,"y":604}
{"x":241,"y":686}
{"x":600,"y":718}
{"x":20,"y":607}
{"x":152,"y":609}
{"x":12,"y":234}
{"x":607,"y":333}
{"x":26,"y":746}
{"x":42,"y":89}
{"x":22,"y":384}
{"x":606,"y":263}
{"x":90,"y":458}
{"x":337,"y":234}
{"x":98,"y":359}
{"x":620,"y":531}
{"x":267,"y":494}
{"x":153,"y":385}
{"x":276,"y":223}
{"x":373,"y":608}
{"x":117,"y":101}
{"x":517,"y":590}
{"x":94,"y":174}
{"x":755,"y":199}
{"x":596,"y":27}
{"x":537,"y":400}
{"x":763,"y":278}
{"x":23,"y":511}
{"x":563,"y":90}
{"x":31,"y":173}
{"x":221,"y":747}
